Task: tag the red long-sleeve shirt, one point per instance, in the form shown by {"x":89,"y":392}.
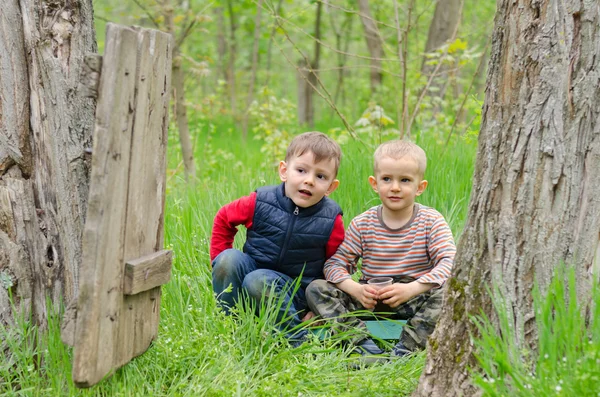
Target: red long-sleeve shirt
{"x":241,"y":212}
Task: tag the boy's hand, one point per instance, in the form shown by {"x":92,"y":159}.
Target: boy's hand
{"x":308,"y":316}
{"x":396,"y":294}
{"x":364,"y":293}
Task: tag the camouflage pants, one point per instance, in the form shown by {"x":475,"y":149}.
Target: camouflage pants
{"x":421,"y":312}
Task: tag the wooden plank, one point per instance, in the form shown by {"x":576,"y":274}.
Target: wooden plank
{"x":125,"y":209}
{"x":100,"y":297}
{"x":146,"y":191}
{"x":147,"y":272}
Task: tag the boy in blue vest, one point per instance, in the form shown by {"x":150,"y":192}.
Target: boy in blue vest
{"x":292,"y":229}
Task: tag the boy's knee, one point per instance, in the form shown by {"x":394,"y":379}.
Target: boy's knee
{"x":227,"y":263}
{"x":255,"y":282}
{"x":316,"y":288}
{"x":317,"y":293}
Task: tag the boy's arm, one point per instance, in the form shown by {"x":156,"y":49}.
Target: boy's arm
{"x":339,"y":267}
{"x":335,"y":238}
{"x":343,"y":262}
{"x":441,"y":250}
{"x":238,"y":212}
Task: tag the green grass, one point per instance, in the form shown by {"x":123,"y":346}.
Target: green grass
{"x":202,"y":352}
{"x":567,"y":361}
{"x":199,"y":351}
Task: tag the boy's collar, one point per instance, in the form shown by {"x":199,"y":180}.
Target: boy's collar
{"x":287,"y":203}
{"x":416,"y":208}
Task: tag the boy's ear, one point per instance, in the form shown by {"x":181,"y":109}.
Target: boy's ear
{"x":282,"y":171}
{"x":373,"y":183}
{"x":334,"y":185}
{"x":422,"y":186}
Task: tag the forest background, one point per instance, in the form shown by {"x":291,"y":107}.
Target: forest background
{"x":377,"y":70}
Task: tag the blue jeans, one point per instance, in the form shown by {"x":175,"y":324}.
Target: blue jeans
{"x":238,"y":269}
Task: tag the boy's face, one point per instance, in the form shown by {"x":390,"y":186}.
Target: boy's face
{"x":398,"y":182}
{"x":307,"y":182}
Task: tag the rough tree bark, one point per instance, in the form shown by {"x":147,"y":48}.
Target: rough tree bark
{"x":45,"y":128}
{"x":374,"y":43}
{"x":535,"y":193}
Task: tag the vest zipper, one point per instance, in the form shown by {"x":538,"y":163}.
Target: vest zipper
{"x":287,"y":235}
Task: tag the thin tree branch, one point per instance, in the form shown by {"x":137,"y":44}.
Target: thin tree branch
{"x":141,"y":6}
{"x":280,"y":18}
{"x":351,"y":11}
{"x":186,"y":32}
{"x":328,"y":98}
{"x":462,"y":105}
{"x":402,"y":58}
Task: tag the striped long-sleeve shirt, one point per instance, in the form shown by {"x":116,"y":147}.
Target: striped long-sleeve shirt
{"x":423,"y":248}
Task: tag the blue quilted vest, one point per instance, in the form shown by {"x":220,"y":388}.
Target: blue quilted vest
{"x":287,"y":238}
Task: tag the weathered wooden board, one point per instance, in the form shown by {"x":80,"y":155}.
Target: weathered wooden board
{"x":147,"y":272}
{"x":126,"y":203}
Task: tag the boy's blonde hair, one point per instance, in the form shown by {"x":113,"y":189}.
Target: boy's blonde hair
{"x":321,"y":146}
{"x":396,"y":149}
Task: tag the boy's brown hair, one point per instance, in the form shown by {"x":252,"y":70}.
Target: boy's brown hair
{"x":396,"y":149}
{"x":321,"y":146}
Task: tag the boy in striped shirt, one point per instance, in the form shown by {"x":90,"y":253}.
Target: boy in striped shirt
{"x":401,"y":239}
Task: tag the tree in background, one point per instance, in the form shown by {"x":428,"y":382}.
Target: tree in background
{"x":374,"y":43}
{"x":534,"y":200}
{"x":254,"y":67}
{"x":442,"y":30}
{"x":45,"y":128}
{"x":232,"y":53}
{"x":342,"y":41}
{"x":313,"y":55}
{"x":178,"y":81}
{"x":308,"y":75}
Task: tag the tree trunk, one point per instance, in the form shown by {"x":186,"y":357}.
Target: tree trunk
{"x":442,"y":29}
{"x":271,"y":38}
{"x":221,"y":42}
{"x":250,"y":97}
{"x":341,"y":32}
{"x":305,"y":108}
{"x":231,"y":62}
{"x":446,"y":18}
{"x":180,"y":112}
{"x":307,"y":78}
{"x":45,"y":127}
{"x":374,"y":43}
{"x":179,"y":105}
{"x":534,"y":201}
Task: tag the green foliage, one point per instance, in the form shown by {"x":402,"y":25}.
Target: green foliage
{"x":206,"y":63}
{"x":447,"y":111}
{"x":375,"y":122}
{"x":568,"y":349}
{"x":275,"y":120}
{"x":32,"y":363}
